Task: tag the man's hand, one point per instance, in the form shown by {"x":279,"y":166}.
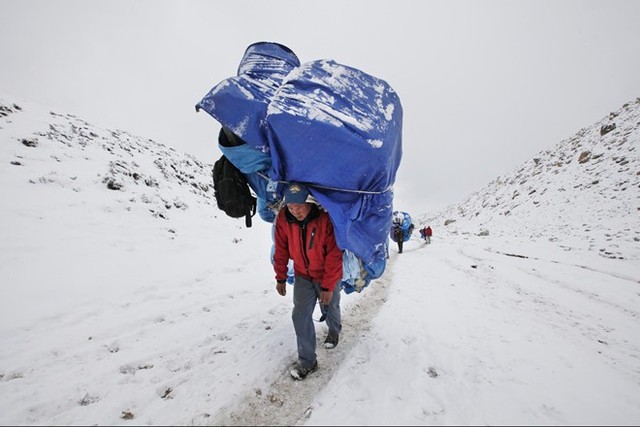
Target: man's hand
{"x":281,"y":288}
{"x":325,"y":297}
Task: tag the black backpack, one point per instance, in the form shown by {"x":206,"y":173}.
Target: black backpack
{"x":232,"y":192}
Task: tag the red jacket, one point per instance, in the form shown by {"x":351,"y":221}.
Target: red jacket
{"x":311,"y":244}
{"x":428,"y":232}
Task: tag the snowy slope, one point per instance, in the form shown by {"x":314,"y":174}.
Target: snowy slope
{"x":76,"y":194}
{"x":583,"y":193}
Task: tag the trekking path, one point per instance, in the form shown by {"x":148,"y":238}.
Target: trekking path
{"x":473,"y":332}
{"x":289,"y":402}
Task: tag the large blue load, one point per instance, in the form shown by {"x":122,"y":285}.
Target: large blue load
{"x":402,"y":220}
{"x":328,"y":125}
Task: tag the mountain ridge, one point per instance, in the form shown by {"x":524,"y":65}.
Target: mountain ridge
{"x":111,"y":167}
{"x":599,"y":164}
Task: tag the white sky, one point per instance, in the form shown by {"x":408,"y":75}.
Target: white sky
{"x":484,"y":84}
{"x":106,"y":309}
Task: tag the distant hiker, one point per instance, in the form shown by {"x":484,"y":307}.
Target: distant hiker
{"x":304,"y":233}
{"x":401,"y":228}
{"x":426,"y":233}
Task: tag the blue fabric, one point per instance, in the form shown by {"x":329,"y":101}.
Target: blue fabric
{"x":240,"y":103}
{"x":332,"y":127}
{"x":356,"y":275}
{"x":338,"y":130}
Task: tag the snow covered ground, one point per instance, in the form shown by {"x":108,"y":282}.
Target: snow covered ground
{"x":128,"y":298}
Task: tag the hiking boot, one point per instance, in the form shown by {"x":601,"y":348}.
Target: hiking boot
{"x":299,"y":371}
{"x":331,"y":341}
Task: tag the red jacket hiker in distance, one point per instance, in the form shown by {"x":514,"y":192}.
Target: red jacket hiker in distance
{"x":312,"y":246}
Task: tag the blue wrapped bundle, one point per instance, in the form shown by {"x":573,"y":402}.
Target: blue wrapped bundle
{"x":330,"y":126}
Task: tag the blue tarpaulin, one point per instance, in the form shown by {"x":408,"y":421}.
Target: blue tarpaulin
{"x":403,"y":220}
{"x":328,"y":125}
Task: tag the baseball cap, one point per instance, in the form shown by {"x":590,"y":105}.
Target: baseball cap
{"x":296,"y":193}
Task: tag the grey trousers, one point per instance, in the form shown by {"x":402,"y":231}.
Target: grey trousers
{"x":305,"y":297}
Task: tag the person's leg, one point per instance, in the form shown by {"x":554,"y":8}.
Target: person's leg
{"x":334,"y":318}
{"x":331,"y":314}
{"x":304,"y":302}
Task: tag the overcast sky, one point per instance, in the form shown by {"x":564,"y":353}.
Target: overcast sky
{"x":485,"y":85}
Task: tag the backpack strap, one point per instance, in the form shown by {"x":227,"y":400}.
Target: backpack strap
{"x":251,"y":212}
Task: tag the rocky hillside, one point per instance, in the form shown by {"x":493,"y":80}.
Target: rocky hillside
{"x":582,"y":193}
{"x":45,"y":153}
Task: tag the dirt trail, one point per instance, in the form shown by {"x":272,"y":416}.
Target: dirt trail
{"x":289,"y":402}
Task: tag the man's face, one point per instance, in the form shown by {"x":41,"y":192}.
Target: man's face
{"x":299,"y":210}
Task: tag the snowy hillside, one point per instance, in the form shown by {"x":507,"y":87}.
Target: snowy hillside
{"x":583,"y":193}
{"x":128,"y":298}
{"x":76,"y":194}
{"x":61,"y":152}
